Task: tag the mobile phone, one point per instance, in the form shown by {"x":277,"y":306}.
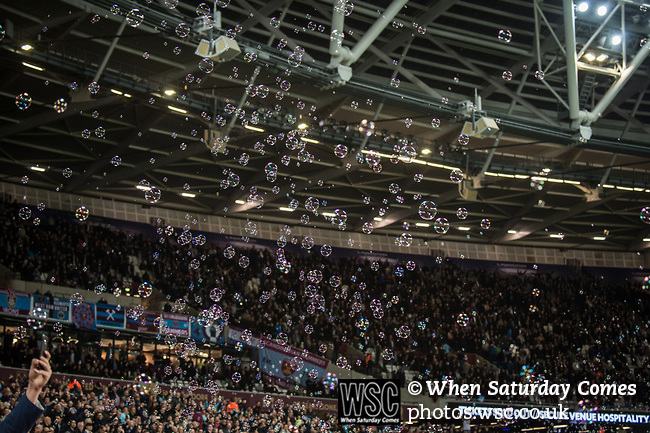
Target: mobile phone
{"x":44,"y":344}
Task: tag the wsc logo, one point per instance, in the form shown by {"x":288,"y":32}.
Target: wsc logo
{"x":369,"y":401}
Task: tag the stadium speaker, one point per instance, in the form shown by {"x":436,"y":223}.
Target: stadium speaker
{"x":466,"y":190}
{"x":222,"y":49}
{"x":485,"y":127}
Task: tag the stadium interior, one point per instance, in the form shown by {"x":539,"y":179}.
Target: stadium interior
{"x":213,"y":212}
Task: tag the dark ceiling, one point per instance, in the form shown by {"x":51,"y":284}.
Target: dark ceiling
{"x":444,"y":54}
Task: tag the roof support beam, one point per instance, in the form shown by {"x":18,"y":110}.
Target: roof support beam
{"x":109,"y":52}
{"x":608,"y":97}
{"x":351,"y":56}
{"x":193,"y":149}
{"x":571,"y":61}
{"x":557,"y":217}
{"x":123,"y":144}
{"x":434,"y":11}
{"x":468,"y":64}
{"x":51,"y":116}
{"x":261,"y":18}
{"x":523,"y":211}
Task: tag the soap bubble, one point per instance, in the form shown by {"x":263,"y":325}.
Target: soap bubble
{"x":206,"y":65}
{"x":456,"y":175}
{"x":93,"y":87}
{"x":366,"y":127}
{"x":25,"y":213}
{"x":461,"y":213}
{"x":145,"y":289}
{"x":82,"y":213}
{"x":645,"y":215}
{"x":275,"y":23}
{"x":37,"y":318}
{"x":23,"y":101}
{"x":505,"y":35}
{"x":463,"y":320}
{"x":427,"y":210}
{"x":60,"y":105}
{"x":134,"y":17}
{"x":183,"y":30}
{"x":507,"y":75}
{"x":485,"y":223}
{"x":441,"y":226}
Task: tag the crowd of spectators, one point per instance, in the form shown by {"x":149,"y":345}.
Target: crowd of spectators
{"x":432,"y":320}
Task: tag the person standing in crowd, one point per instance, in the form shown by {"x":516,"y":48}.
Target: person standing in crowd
{"x":29,"y":408}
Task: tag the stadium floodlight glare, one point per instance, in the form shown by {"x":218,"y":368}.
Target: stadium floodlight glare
{"x":590,"y":56}
{"x":602,"y":57}
{"x":583,"y":7}
{"x":616,"y":39}
{"x":601,"y":11}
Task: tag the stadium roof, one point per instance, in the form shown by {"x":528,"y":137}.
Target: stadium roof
{"x":555,"y":112}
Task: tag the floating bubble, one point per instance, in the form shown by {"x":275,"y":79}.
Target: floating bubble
{"x":23,"y":101}
{"x":76,"y":298}
{"x":37,"y":318}
{"x":60,"y":105}
{"x":135,"y":17}
{"x":427,"y":210}
{"x":145,"y":289}
{"x":82,"y":213}
{"x":537,"y":184}
{"x":461,"y":213}
{"x":463,"y":139}
{"x":244,"y":261}
{"x":206,"y":65}
{"x":337,"y":37}
{"x":203,"y":10}
{"x":116,"y":161}
{"x":441,"y":226}
{"x":183,"y":30}
{"x":152,"y":195}
{"x":507,"y":75}
{"x":485,"y":223}
{"x":418,"y":177}
{"x":456,"y":175}
{"x":395,"y":82}
{"x":645,"y":215}
{"x":505,"y":35}
{"x":312,"y":204}
{"x":325,"y":250}
{"x":93,"y":87}
{"x":367,"y":228}
{"x":20,"y":332}
{"x":25,"y":213}
{"x":251,"y":228}
{"x":366,"y":127}
{"x":275,"y":23}
{"x":539,"y":75}
{"x":171,"y":4}
{"x":462,"y":320}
